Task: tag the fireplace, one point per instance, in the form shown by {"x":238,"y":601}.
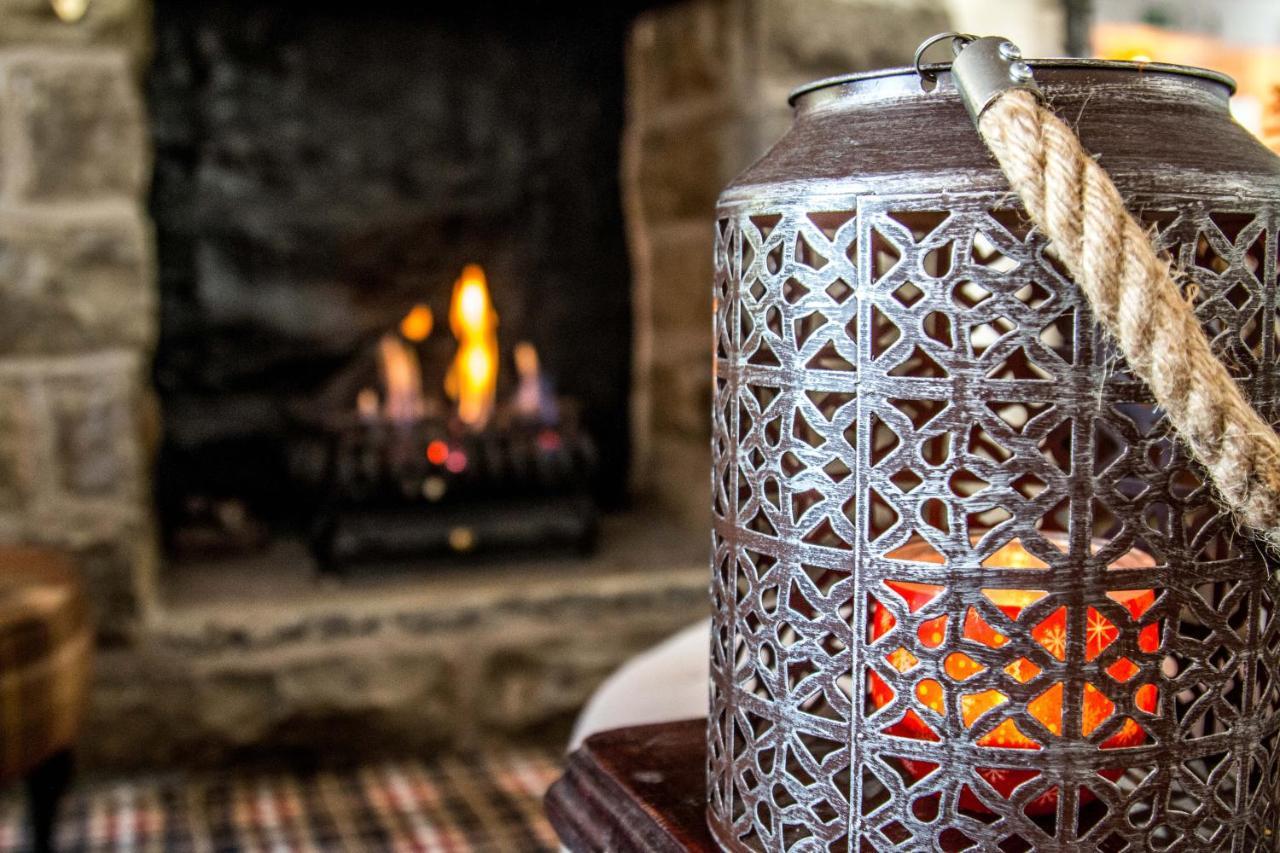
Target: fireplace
{"x":320,"y":182}
{"x":422,"y":458}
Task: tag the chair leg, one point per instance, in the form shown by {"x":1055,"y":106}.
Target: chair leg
{"x":46,"y":785}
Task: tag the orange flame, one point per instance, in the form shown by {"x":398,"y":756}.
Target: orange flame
{"x":528,"y":401}
{"x":368,"y":406}
{"x":472,"y":379}
{"x":417,"y":324}
{"x":401,"y":378}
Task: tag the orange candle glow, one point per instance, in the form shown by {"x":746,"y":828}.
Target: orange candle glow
{"x":1050,"y":633}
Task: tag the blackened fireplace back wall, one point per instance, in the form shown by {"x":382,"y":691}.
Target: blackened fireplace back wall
{"x":320,"y":169}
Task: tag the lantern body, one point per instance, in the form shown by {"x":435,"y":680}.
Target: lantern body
{"x":968,"y":588}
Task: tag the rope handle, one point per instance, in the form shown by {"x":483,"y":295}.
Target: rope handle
{"x":1129,"y":288}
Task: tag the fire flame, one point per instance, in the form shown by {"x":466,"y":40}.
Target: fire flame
{"x":472,"y":379}
{"x":417,"y":324}
{"x":367,"y":404}
{"x":534,"y":400}
{"x":528,"y":400}
{"x":401,"y":378}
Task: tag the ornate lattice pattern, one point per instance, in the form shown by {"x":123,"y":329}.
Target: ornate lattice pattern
{"x":969,"y":592}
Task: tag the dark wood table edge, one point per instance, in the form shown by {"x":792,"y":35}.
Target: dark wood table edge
{"x":640,"y":788}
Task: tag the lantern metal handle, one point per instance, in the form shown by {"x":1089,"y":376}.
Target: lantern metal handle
{"x":1074,"y":202}
{"x":984,"y":68}
{"x":958,"y":43}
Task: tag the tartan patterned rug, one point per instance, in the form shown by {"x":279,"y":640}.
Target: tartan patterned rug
{"x":447,"y":805}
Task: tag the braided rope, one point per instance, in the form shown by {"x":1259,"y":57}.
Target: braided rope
{"x":1073,"y":201}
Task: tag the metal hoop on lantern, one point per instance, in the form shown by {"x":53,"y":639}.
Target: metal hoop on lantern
{"x":958,"y":41}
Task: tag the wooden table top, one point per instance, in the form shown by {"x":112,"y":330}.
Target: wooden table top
{"x":635,"y":789}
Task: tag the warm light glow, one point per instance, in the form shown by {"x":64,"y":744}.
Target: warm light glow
{"x":70,"y":11}
{"x":1256,"y":69}
{"x":401,"y":379}
{"x":473,"y":301}
{"x":456,"y":461}
{"x":417,"y":324}
{"x":549,"y":440}
{"x":437,"y":452}
{"x":1050,"y":631}
{"x":472,"y":379}
{"x":1250,"y":113}
{"x":528,"y":400}
{"x":526,"y":360}
{"x":1012,"y":556}
{"x":367,"y":404}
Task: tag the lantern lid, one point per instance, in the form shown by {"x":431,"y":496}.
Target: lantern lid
{"x":1071,"y":66}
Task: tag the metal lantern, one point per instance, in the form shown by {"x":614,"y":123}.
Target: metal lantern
{"x":969,"y":591}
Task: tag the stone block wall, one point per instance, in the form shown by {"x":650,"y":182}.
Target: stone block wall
{"x":407,"y":672}
{"x":707,"y":87}
{"x":77,"y":297}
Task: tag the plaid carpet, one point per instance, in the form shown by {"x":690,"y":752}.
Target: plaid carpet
{"x":452,"y":805}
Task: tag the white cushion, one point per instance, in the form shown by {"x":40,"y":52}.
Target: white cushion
{"x":667,"y":682}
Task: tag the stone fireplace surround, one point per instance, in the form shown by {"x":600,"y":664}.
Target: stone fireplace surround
{"x":189,"y":671}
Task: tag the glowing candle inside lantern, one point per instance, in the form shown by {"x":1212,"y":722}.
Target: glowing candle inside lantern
{"x":1049,"y":632}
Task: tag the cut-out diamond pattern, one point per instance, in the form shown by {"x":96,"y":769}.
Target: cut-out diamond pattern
{"x":903,"y":399}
